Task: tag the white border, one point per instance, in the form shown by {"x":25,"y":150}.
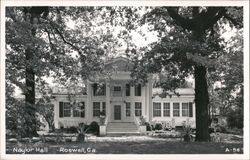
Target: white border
{"x":245,"y":3}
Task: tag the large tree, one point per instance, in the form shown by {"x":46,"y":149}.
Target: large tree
{"x":59,"y":42}
{"x":190,"y":44}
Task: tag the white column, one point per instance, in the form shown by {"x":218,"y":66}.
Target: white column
{"x":88,"y":104}
{"x":150,"y":103}
{"x":56,"y":112}
{"x":108,"y":107}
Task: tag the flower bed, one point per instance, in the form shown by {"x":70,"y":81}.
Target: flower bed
{"x":165,"y":134}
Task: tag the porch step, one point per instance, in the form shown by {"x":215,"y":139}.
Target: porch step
{"x":118,"y":134}
{"x":122,"y":128}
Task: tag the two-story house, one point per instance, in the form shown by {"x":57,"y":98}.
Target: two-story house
{"x":122,"y":103}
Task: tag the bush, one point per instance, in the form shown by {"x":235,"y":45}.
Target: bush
{"x":235,"y":118}
{"x":158,"y":126}
{"x":148,"y":126}
{"x":72,"y":129}
{"x":94,"y":127}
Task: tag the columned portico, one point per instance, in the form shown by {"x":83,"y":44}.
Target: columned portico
{"x":123,"y":103}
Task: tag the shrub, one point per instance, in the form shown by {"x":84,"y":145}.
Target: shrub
{"x":86,"y":128}
{"x":158,"y":126}
{"x":72,"y":129}
{"x":235,"y":118}
{"x":148,"y":126}
{"x":94,"y":127}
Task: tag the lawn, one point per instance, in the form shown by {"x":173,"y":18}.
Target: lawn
{"x":127,"y":145}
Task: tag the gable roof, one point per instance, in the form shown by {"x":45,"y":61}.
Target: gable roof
{"x":119,"y":64}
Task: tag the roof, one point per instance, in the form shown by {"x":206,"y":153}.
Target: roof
{"x":119,"y":64}
{"x":66,"y":91}
{"x":181,"y":91}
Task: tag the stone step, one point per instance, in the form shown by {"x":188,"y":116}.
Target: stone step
{"x":118,"y":134}
{"x":119,"y":128}
{"x":122,"y":128}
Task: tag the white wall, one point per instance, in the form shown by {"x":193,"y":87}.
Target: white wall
{"x":178,"y":121}
{"x":68,"y":121}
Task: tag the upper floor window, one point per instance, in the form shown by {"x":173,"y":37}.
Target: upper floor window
{"x":117,"y":91}
{"x":99,"y":89}
{"x":127,"y":90}
{"x":138,"y":90}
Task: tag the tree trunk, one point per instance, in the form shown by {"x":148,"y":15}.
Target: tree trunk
{"x":201,"y":103}
{"x":30,"y":110}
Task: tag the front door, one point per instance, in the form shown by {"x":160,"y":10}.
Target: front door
{"x":117,"y":112}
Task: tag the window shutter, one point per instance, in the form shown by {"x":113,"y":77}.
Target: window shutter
{"x":190,"y":109}
{"x":60,"y":109}
{"x":94,"y":89}
{"x":139,"y":90}
{"x":82,"y":109}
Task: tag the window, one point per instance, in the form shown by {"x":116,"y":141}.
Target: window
{"x":127,"y":90}
{"x":99,"y":89}
{"x":184,"y":109}
{"x":176,"y":109}
{"x":166,"y":109}
{"x":76,"y":112}
{"x":117,"y":88}
{"x":138,"y":90}
{"x":66,"y":109}
{"x":117,"y":91}
{"x":138,"y":109}
{"x":79,"y":110}
{"x":128,"y":112}
{"x":156,"y":109}
{"x":96,"y":109}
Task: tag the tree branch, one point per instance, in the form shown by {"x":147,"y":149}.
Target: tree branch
{"x":65,"y":41}
{"x":183,"y":22}
{"x":215,"y":16}
{"x":50,"y":42}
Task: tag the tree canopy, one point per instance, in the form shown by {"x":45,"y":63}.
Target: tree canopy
{"x":71,"y":43}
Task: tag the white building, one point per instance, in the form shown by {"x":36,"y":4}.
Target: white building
{"x":123,"y":104}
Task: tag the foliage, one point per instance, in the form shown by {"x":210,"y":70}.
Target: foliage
{"x":235,"y":118}
{"x":148,"y":126}
{"x":94,"y":127}
{"x":142,"y":120}
{"x":227,"y":97}
{"x":158,"y":126}
{"x":190,"y":43}
{"x":40,"y":44}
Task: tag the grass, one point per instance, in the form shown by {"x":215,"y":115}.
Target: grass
{"x":145,"y":147}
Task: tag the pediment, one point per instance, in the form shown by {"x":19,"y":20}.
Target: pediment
{"x":119,"y":64}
